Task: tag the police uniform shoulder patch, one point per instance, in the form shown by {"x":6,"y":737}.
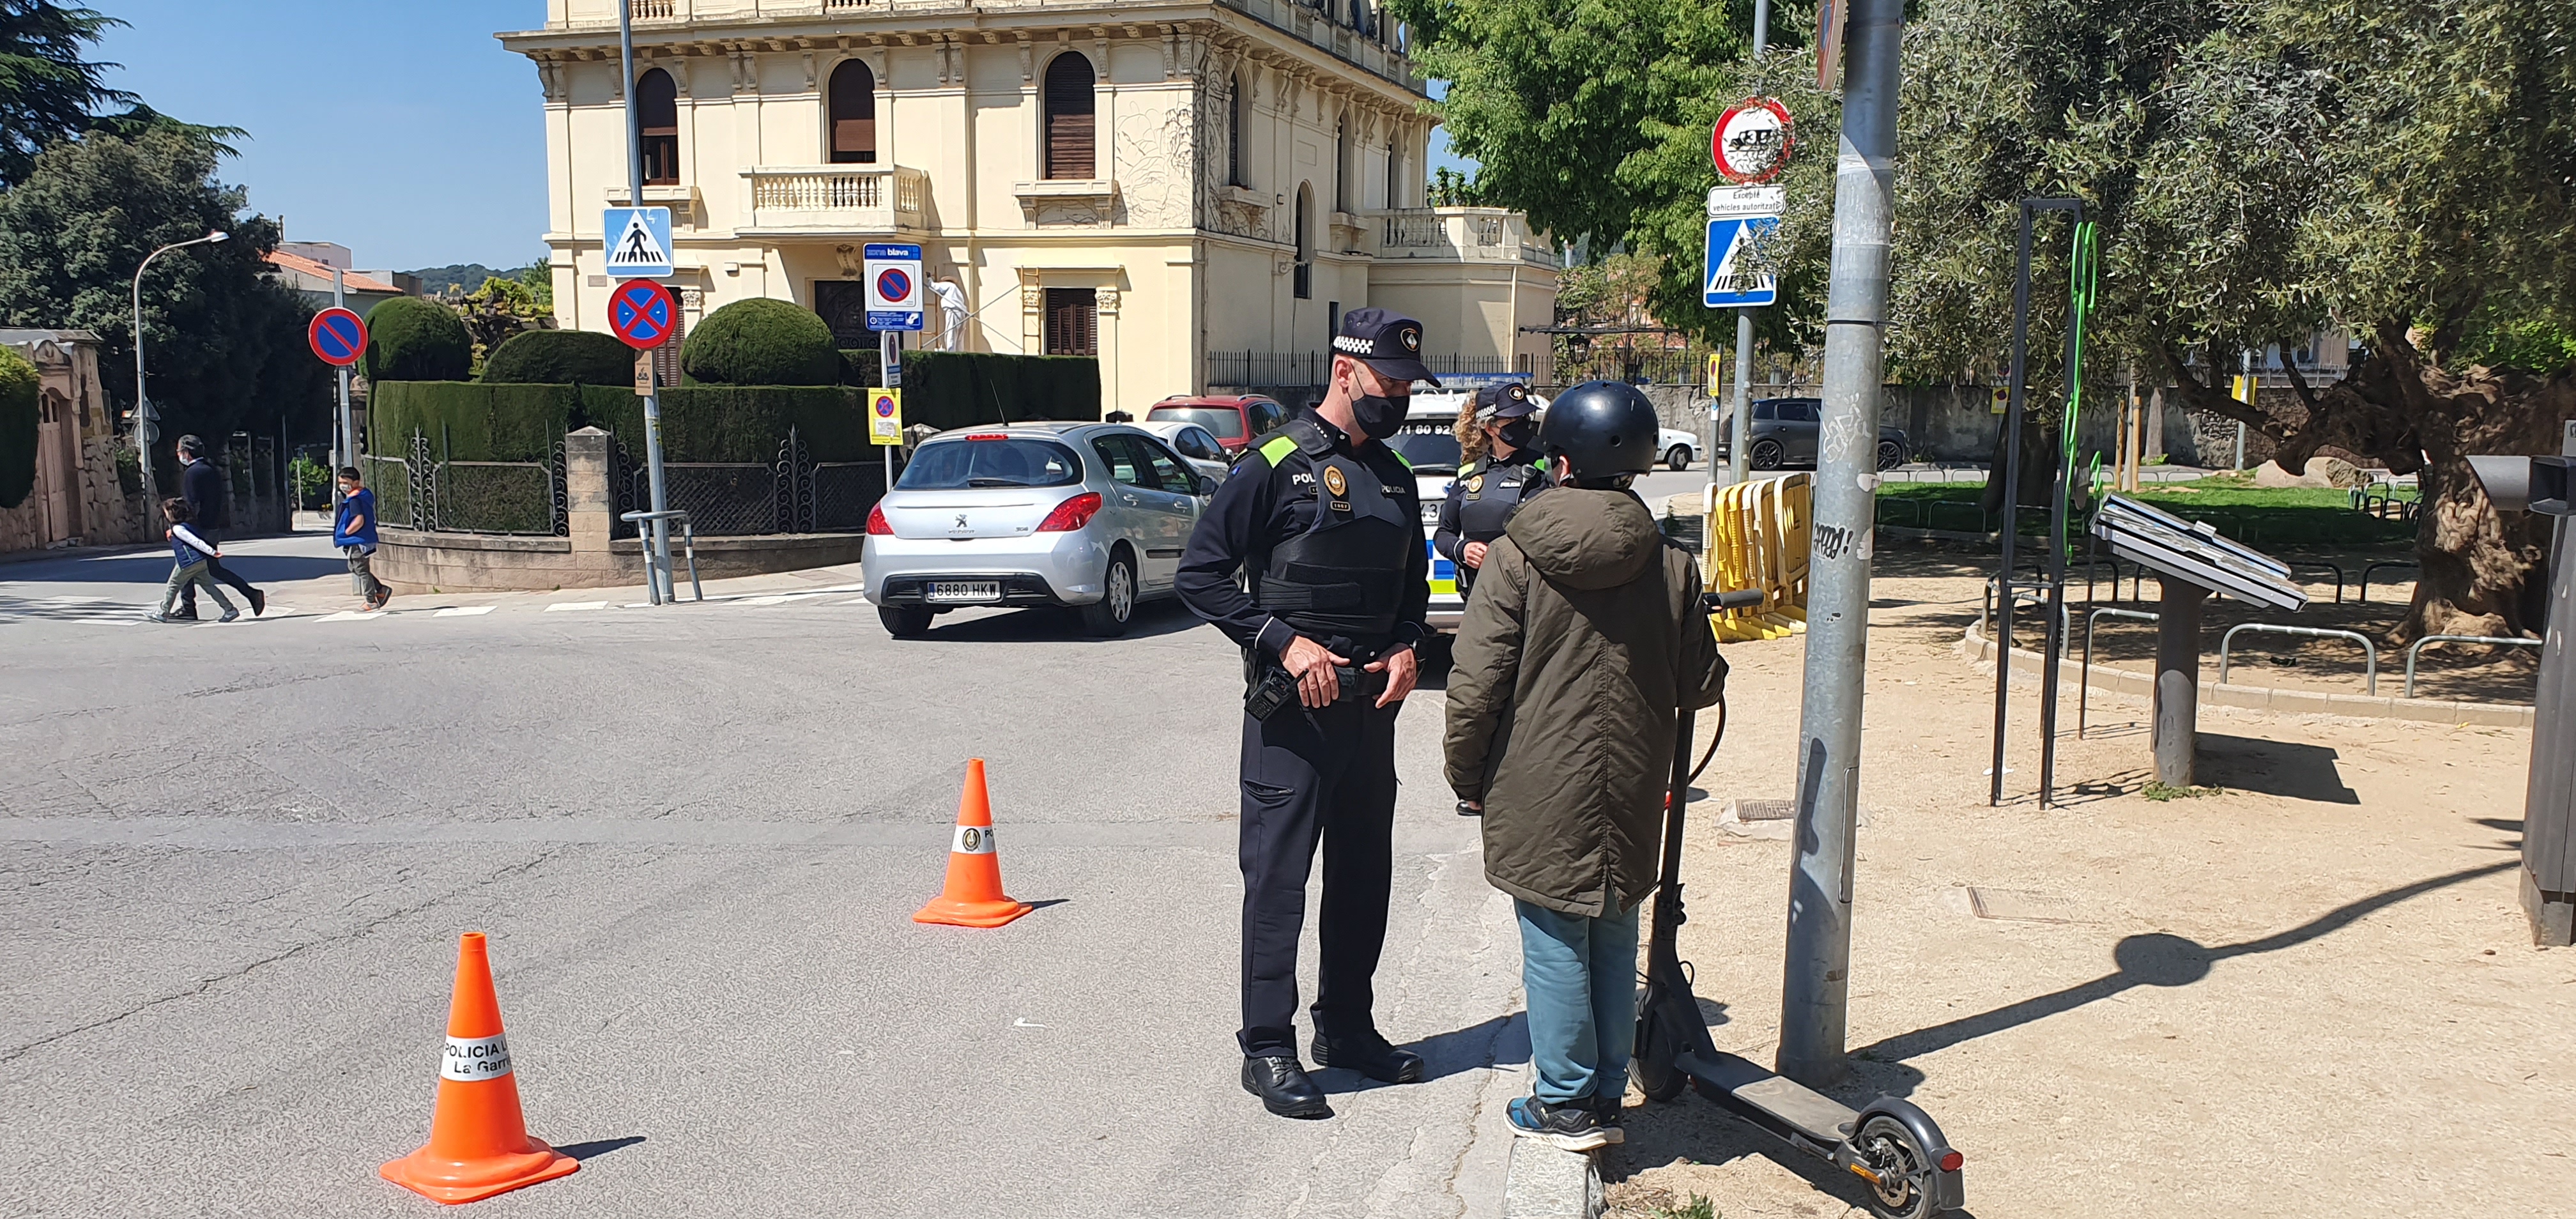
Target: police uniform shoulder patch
{"x":1277,"y":448}
{"x":1334,"y":482}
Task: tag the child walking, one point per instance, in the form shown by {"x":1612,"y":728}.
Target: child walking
{"x":194,"y":555}
{"x":354,"y":532}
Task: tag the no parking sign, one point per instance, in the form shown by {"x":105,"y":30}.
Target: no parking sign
{"x":894,"y":286}
{"x":885,"y":416}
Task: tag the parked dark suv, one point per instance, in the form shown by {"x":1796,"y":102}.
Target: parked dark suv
{"x":1784,"y":433}
{"x":1234,"y":420}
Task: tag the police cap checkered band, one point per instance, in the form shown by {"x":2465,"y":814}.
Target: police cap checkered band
{"x":1386,"y":341}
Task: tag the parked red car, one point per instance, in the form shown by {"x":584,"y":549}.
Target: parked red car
{"x":1235,"y":421}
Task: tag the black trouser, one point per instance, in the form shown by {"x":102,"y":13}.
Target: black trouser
{"x":1325,"y":774}
{"x":214,"y":567}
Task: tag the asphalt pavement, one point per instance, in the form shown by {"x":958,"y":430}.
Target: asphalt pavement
{"x":237,"y":859}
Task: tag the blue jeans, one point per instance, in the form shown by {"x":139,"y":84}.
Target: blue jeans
{"x":1580,"y":978}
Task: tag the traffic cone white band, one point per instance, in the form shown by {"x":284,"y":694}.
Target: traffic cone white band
{"x":973,"y":840}
{"x":472,"y":1058}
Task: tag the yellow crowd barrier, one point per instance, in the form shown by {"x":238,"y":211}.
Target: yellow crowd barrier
{"x":1757,"y":537}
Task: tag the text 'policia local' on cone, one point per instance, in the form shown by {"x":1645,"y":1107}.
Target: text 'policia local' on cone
{"x":478,"y":1139}
{"x":973,"y":896}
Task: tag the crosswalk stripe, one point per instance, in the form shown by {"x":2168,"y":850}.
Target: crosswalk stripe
{"x":351,"y":616}
{"x":462,"y":611}
{"x":569,"y":606}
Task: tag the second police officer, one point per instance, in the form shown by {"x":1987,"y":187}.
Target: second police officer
{"x":1493,"y":485}
{"x":1324,"y":522}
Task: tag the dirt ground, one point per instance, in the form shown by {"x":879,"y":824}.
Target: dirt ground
{"x":2312,"y":994}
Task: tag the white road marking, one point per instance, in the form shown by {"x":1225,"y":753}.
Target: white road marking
{"x":462,"y":611}
{"x":860,"y":601}
{"x":570,"y":606}
{"x":351,"y":616}
{"x":136,"y":620}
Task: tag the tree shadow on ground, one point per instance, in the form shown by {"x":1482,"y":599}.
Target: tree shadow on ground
{"x":2153,"y":959}
{"x":1048,"y":624}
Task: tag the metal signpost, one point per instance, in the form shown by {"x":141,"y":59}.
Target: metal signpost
{"x":1816,"y":991}
{"x":637,"y":241}
{"x":2017,"y":388}
{"x":339,"y":337}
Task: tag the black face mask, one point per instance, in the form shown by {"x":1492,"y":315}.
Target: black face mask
{"x":1518,"y":433}
{"x":1377,"y":416}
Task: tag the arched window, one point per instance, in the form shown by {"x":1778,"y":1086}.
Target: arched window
{"x":854,"y":114}
{"x":1068,"y":117}
{"x":657,"y":120}
{"x":1344,"y":168}
{"x":1305,"y":281}
{"x":1234,"y":132}
{"x":1392,"y":168}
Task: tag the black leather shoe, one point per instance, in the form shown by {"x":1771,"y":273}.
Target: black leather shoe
{"x":1371,"y":1056}
{"x":1284,"y":1087}
{"x":258,"y":603}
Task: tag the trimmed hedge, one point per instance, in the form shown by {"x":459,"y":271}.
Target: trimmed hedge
{"x":471,"y":420}
{"x":738,"y":422}
{"x":410,"y":339}
{"x":954,"y":389}
{"x":18,"y":385}
{"x":760,"y":342}
{"x":560,"y":357}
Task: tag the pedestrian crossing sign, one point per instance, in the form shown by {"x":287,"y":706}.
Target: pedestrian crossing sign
{"x":1731,"y":281}
{"x":638,"y":241}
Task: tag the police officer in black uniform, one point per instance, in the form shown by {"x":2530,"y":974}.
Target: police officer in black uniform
{"x":1492,"y":487}
{"x":1325,"y":522}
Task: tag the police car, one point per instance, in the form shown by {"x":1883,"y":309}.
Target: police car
{"x":1428,"y":441}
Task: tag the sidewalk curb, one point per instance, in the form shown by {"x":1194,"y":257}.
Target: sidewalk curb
{"x":1546,"y":1183}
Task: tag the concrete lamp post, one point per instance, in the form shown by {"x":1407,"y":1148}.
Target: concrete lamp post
{"x":146,"y":420}
{"x":2545,"y":485}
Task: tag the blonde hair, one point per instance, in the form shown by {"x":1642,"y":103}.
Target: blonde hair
{"x":1472,"y":441}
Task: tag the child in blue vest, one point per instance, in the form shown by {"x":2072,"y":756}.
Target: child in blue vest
{"x":192,"y":555}
{"x":354,"y":532}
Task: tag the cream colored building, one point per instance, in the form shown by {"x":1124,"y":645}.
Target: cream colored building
{"x":1187,"y":189}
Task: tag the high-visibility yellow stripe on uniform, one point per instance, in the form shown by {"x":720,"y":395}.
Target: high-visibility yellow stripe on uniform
{"x":1278,"y":449}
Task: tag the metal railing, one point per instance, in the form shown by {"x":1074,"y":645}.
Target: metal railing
{"x":2084,"y":671}
{"x":2418,"y":646}
{"x":510,"y":498}
{"x":793,"y":494}
{"x":653,"y":575}
{"x":733,"y":497}
{"x":2369,"y":568}
{"x":2370,"y":673}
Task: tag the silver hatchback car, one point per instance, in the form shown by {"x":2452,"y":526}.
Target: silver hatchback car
{"x":1092,"y":516}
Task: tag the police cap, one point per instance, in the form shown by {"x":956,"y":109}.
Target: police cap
{"x":1388,"y":342}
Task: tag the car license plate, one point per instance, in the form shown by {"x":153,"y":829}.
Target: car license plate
{"x":966,"y":590}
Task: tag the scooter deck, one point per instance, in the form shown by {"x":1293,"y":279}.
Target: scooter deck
{"x":1749,"y":1089}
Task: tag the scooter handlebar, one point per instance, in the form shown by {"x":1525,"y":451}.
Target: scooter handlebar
{"x":1733,"y":598}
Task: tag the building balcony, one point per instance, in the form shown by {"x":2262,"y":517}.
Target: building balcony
{"x":1459,"y":234}
{"x":836,"y":201}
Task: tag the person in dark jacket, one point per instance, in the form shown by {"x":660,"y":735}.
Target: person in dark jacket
{"x":1580,"y":646}
{"x":1499,"y":474}
{"x":202,"y":485}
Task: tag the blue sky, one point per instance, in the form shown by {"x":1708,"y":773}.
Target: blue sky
{"x":398,"y":128}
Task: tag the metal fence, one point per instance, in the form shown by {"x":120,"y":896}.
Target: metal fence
{"x":793,"y":494}
{"x":498,"y":497}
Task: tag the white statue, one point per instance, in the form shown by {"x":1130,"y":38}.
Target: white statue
{"x":952,"y":314}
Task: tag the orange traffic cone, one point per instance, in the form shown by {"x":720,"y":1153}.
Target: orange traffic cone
{"x":478,"y":1140}
{"x":973,"y":896}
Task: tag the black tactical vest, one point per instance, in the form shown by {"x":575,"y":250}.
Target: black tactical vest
{"x":1488,"y":495}
{"x":1344,"y":575}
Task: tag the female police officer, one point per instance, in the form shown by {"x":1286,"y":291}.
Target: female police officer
{"x":1492,"y":486}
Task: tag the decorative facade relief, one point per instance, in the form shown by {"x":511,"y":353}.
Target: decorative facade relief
{"x":1154,"y":155}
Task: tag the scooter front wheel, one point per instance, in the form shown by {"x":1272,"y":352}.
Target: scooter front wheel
{"x":1900,"y":1171}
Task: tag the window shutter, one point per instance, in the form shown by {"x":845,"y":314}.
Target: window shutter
{"x":1069,"y":117}
{"x":854,"y":113}
{"x":1072,"y":322}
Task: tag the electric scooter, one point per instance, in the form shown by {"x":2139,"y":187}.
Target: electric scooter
{"x":1912,"y":1171}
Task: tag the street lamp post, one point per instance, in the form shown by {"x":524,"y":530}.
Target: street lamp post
{"x":146,"y":420}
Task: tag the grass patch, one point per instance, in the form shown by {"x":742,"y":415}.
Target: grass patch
{"x":1697,"y":1208}
{"x":2160,"y":791}
{"x":2261,"y":516}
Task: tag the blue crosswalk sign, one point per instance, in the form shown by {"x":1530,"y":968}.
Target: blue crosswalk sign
{"x":1730,"y":282}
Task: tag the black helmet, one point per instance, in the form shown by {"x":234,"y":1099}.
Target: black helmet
{"x":1603,"y":429}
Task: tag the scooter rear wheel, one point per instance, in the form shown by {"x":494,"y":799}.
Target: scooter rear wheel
{"x":1651,"y":1063}
{"x":1903,"y":1189}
